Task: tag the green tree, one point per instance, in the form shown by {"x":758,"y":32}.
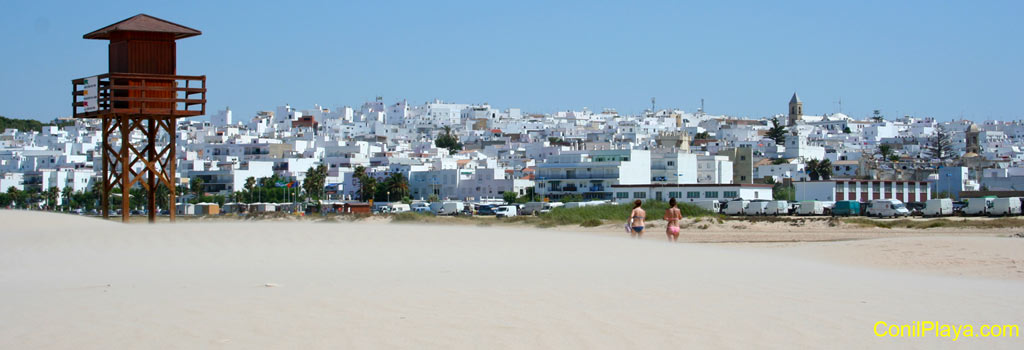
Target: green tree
{"x":703,"y":135}
{"x":783,"y":192}
{"x":885,"y":150}
{"x":433,"y":198}
{"x":509,"y":197}
{"x":777,"y":132}
{"x":250,"y":187}
{"x":877,"y":116}
{"x":940,"y":145}
{"x":812,"y":169}
{"x":846,"y":130}
{"x":66,"y":197}
{"x":398,"y":185}
{"x":448,"y":140}
{"x":196,"y":185}
{"x":51,"y":196}
{"x":825,"y":169}
{"x":367,"y":187}
{"x":314,"y":182}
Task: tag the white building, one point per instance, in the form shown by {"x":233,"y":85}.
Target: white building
{"x":691,"y":192}
{"x":591,"y":173}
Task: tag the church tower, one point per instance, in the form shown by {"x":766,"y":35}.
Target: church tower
{"x":796,"y":110}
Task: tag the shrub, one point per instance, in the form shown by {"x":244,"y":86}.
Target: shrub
{"x":591,"y":223}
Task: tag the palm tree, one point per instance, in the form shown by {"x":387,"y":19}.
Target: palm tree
{"x":885,"y":150}
{"x":51,"y":196}
{"x":825,"y":169}
{"x":250,"y":185}
{"x":812,"y":169}
{"x":196,"y":185}
{"x":65,"y":196}
{"x":367,"y":187}
{"x":398,"y":184}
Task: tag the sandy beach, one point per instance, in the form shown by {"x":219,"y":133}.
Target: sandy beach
{"x":76,"y":282}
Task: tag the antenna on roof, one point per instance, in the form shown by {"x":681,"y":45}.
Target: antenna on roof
{"x":652,"y":104}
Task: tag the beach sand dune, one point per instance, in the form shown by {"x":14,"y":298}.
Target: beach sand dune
{"x":72,"y":282}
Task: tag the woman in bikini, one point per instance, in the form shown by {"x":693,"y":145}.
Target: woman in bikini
{"x":672,"y":215}
{"x":636,"y":220}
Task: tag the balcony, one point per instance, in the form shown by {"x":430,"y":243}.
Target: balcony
{"x":577,"y":177}
{"x":154,"y":95}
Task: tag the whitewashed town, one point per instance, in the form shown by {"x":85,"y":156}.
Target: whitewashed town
{"x":400,"y":156}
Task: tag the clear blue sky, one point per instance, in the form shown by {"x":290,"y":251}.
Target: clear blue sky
{"x":925,"y":58}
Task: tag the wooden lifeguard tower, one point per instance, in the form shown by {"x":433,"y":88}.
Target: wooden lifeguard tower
{"x":140,"y":95}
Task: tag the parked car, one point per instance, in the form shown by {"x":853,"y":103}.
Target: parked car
{"x":938,"y":207}
{"x":846,"y":208}
{"x":915,"y":208}
{"x":887,"y":208}
{"x":485,"y":209}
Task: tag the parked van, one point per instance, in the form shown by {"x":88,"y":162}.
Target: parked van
{"x":887,"y":208}
{"x":1005,"y":206}
{"x":777,"y":208}
{"x":978,"y":206}
{"x":846,"y":208}
{"x":532,"y":208}
{"x":506,"y":211}
{"x":735,"y":207}
{"x":447,"y":207}
{"x":756,"y":208}
{"x":811,"y":208}
{"x":549,"y":206}
{"x":398,"y":208}
{"x":709,"y":205}
{"x":938,"y":207}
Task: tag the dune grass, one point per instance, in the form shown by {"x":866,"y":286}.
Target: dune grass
{"x":934,"y":223}
{"x":593,"y":215}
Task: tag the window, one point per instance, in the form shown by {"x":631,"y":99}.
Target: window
{"x":621,"y":194}
{"x":693,"y":194}
{"x":675,"y":194}
{"x":711,"y":194}
{"x":639,"y":194}
{"x":671,"y":163}
{"x":743,"y":157}
{"x":729,"y":194}
{"x":743,"y":178}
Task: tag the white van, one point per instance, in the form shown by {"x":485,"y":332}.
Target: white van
{"x":937,"y":207}
{"x":811,"y":208}
{"x":756,"y":208}
{"x":735,"y":207}
{"x":399,"y":208}
{"x":777,"y":208}
{"x":506,"y":211}
{"x":535,"y":208}
{"x":447,"y":207}
{"x":709,"y":205}
{"x":1005,"y":206}
{"x":978,"y":206}
{"x":549,"y":206}
{"x":887,"y":208}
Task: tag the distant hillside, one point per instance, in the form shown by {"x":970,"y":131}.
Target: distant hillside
{"x":24,"y":124}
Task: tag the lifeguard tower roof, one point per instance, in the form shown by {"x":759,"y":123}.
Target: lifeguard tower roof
{"x":144,"y":23}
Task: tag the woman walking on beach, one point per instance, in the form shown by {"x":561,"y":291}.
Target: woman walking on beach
{"x":636,"y":220}
{"x":672,"y":215}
